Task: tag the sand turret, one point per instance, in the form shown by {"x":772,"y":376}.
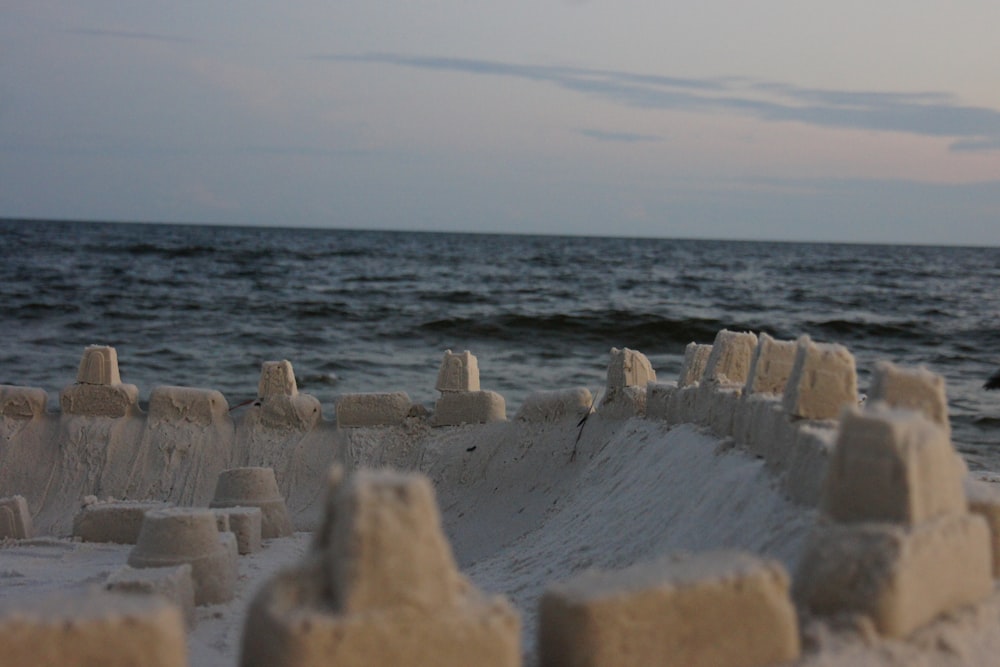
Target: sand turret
{"x":280,"y":403}
{"x":379,"y":587}
{"x":99,"y":391}
{"x":822,"y":382}
{"x":898,"y":513}
{"x":461,"y":400}
{"x":629,"y":373}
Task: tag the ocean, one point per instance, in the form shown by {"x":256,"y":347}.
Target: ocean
{"x":358,"y":311}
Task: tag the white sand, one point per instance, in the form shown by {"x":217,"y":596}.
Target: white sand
{"x":523,"y":505}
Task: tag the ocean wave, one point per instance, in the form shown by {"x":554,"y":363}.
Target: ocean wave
{"x":840,"y":328}
{"x":607,"y":326}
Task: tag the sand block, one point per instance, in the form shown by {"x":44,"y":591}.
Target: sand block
{"x":245,"y":523}
{"x":912,"y":388}
{"x":15,"y":519}
{"x":623,"y":403}
{"x":373,"y":409}
{"x":255,"y":487}
{"x":381,"y":588}
{"x":729,"y":361}
{"x":682,"y":404}
{"x":771,"y":365}
{"x":804,"y":466}
{"x":720,"y":404}
{"x":715,"y":609}
{"x":752,"y":422}
{"x":178,"y":535}
{"x":693,"y":368}
{"x":543,"y":406}
{"x":469,"y":407}
{"x":89,"y":628}
{"x":658,"y":397}
{"x":173,"y":583}
{"x":99,"y":400}
{"x":458,"y":372}
{"x":117,"y":521}
{"x":629,"y":368}
{"x":900,"y":576}
{"x":185,"y":404}
{"x":984,"y":500}
{"x":22,"y":402}
{"x":99,"y":365}
{"x":823,"y":381}
{"x":892,"y":465}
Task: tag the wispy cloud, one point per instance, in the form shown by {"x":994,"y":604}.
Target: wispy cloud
{"x":623,"y":137}
{"x":927,"y":113}
{"x":130,"y":34}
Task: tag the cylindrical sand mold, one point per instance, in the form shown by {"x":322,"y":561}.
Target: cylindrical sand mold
{"x":178,"y":535}
{"x":255,"y":487}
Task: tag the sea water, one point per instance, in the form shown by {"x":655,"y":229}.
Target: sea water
{"x":374,"y":311}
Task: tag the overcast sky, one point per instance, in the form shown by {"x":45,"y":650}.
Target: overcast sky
{"x":779,"y":119}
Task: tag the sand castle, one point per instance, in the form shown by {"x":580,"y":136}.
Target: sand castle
{"x":884,"y":477}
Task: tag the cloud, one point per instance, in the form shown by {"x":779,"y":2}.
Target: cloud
{"x":928,"y":113}
{"x":130,"y":34}
{"x":624,"y":137}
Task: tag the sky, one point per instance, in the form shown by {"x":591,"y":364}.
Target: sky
{"x":793,"y":120}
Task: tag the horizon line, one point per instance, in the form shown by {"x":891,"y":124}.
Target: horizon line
{"x":276,"y":227}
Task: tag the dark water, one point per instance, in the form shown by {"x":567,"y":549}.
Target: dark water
{"x":373,"y":311}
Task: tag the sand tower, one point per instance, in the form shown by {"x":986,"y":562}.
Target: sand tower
{"x":898,"y":514}
{"x":99,"y":391}
{"x":462,"y":401}
{"x":281,"y":404}
{"x":629,"y":373}
{"x":380,"y":587}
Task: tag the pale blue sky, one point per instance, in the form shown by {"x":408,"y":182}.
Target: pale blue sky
{"x":789,"y":120}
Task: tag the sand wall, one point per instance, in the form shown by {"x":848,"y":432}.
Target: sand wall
{"x":657,"y":467}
